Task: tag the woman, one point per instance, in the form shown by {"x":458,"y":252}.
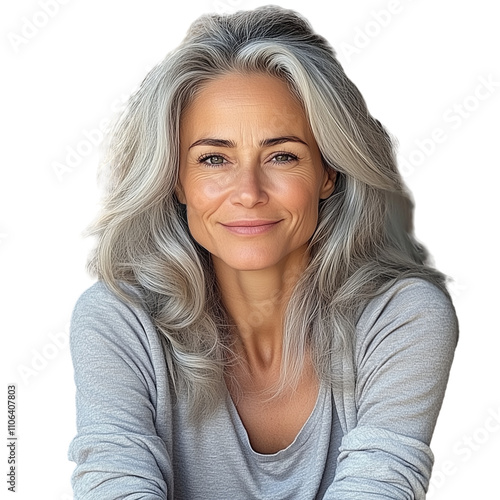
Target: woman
{"x":264,"y":324}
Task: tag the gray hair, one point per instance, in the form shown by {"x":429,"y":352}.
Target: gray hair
{"x":363,"y":242}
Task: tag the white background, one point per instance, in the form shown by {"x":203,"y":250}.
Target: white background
{"x":420,"y":68}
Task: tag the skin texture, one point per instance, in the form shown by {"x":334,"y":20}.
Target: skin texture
{"x":251,"y":177}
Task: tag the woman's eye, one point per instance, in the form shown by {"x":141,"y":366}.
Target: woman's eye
{"x":284,"y":158}
{"x":212,"y":160}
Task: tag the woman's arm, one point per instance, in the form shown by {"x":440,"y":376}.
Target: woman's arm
{"x":405,"y":345}
{"x":117,"y":450}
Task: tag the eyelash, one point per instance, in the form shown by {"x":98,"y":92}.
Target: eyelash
{"x":283,"y":153}
{"x":205,"y":157}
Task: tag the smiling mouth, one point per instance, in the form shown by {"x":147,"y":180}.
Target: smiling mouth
{"x":250,"y":227}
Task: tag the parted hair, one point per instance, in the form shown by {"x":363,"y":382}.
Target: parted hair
{"x":363,"y":242}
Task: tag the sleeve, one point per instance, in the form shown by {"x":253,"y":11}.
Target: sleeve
{"x":117,"y":449}
{"x":405,"y":346}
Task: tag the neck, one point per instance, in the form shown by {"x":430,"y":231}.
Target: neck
{"x":256,"y":302}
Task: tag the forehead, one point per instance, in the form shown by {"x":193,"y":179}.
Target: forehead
{"x":248,"y":99}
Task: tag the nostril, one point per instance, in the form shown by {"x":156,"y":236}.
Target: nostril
{"x":249,"y":190}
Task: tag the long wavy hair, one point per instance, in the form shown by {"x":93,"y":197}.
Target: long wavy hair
{"x":363,"y":242}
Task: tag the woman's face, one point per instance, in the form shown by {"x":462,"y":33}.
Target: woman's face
{"x":251,"y":174}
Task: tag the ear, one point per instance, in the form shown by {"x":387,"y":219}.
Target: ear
{"x":179,"y":193}
{"x":328,"y":186}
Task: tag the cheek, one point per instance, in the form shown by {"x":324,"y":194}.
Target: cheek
{"x":302,"y":201}
{"x":203,"y":197}
{"x":298,"y":194}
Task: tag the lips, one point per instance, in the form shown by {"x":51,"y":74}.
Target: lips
{"x":249,"y":223}
{"x":250,"y":227}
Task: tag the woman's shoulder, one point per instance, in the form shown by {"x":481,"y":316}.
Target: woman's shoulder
{"x":410,"y":308}
{"x":100,"y":298}
{"x":408,"y":296}
{"x":101,"y":312}
{"x":101,"y":292}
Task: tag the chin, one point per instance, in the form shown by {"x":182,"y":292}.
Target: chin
{"x":248,"y":262}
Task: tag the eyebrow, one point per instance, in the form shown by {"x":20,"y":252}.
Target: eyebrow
{"x":230,"y":144}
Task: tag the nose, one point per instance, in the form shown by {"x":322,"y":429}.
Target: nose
{"x":249,"y":189}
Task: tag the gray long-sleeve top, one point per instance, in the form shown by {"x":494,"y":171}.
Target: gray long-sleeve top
{"x":368,"y":439}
